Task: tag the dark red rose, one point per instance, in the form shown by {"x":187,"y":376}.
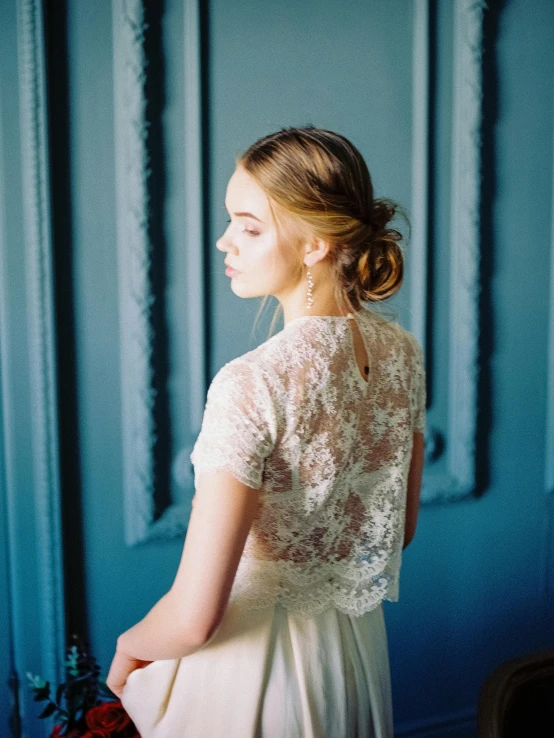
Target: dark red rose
{"x":106,"y":719}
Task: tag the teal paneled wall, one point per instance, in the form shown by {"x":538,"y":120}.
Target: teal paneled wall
{"x":475,"y":586}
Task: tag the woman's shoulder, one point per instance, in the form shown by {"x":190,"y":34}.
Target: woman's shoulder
{"x":249,"y":372}
{"x":288,"y":353}
{"x":272,"y":368}
{"x":389,"y":329}
{"x":411,"y":343}
{"x":274,"y":354}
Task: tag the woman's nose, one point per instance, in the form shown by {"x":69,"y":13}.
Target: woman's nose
{"x":223,"y":243}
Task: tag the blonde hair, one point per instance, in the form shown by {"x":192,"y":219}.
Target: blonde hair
{"x":319,"y":184}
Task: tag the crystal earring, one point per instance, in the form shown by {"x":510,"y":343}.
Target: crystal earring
{"x":310,"y":298}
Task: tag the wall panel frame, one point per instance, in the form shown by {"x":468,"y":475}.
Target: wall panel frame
{"x":459,"y":480}
{"x":42,"y":350}
{"x":29,"y":396}
{"x":136,"y":294}
{"x":548,"y":583}
{"x":134,"y":248}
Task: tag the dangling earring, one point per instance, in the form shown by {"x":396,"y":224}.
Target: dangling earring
{"x":310,"y":298}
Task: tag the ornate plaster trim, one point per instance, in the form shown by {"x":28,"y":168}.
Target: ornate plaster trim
{"x":549,"y":455}
{"x":136,"y":294}
{"x":42,"y":339}
{"x":459,"y":480}
{"x":420,"y":170}
{"x":548,"y":583}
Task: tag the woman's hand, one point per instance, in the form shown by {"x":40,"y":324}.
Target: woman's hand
{"x":122,"y":665}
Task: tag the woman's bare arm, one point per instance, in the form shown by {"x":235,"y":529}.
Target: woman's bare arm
{"x":189,"y":614}
{"x":414,"y":487}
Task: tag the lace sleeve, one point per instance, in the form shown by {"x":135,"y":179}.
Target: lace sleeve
{"x":420,"y":391}
{"x":238,"y":426}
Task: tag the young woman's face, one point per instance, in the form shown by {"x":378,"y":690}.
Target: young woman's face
{"x":265,"y":262}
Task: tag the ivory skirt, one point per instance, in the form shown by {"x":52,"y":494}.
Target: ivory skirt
{"x":271,"y":674}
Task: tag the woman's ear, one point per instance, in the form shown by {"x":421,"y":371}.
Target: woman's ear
{"x":315,"y":251}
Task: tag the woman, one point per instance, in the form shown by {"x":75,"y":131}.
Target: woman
{"x":307,"y":467}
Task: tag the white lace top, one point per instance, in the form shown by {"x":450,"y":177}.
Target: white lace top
{"x":330,"y":454}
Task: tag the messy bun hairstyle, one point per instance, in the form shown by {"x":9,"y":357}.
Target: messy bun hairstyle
{"x":319,"y":180}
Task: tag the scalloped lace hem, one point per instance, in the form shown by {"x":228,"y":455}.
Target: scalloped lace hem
{"x":315,"y":605}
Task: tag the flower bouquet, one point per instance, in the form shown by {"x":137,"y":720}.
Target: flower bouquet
{"x":91,"y":710}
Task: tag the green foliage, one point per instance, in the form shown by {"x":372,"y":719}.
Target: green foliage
{"x":83,"y":689}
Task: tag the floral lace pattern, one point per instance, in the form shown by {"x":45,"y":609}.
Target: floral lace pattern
{"x":330,"y":453}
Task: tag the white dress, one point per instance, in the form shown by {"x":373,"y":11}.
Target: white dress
{"x":302,"y":650}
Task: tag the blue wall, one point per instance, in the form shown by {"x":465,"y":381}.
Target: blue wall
{"x":476,"y":585}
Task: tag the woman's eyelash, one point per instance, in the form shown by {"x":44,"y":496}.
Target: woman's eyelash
{"x":246,"y":230}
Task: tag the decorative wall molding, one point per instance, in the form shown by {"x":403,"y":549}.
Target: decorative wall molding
{"x":419,"y":245}
{"x":136,"y":294}
{"x":548,"y":583}
{"x":549,"y":449}
{"x":11,"y":641}
{"x":42,"y":339}
{"x":549,"y":455}
{"x":194,"y":213}
{"x":459,"y":480}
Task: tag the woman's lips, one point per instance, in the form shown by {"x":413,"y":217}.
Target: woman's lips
{"x":231,"y":272}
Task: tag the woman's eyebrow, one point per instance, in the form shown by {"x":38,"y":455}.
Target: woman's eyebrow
{"x":248,"y":215}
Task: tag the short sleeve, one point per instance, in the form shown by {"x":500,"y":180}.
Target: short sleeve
{"x":238,"y":426}
{"x":420,"y":390}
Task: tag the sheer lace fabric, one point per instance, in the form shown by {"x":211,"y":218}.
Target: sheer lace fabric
{"x":330,"y":454}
